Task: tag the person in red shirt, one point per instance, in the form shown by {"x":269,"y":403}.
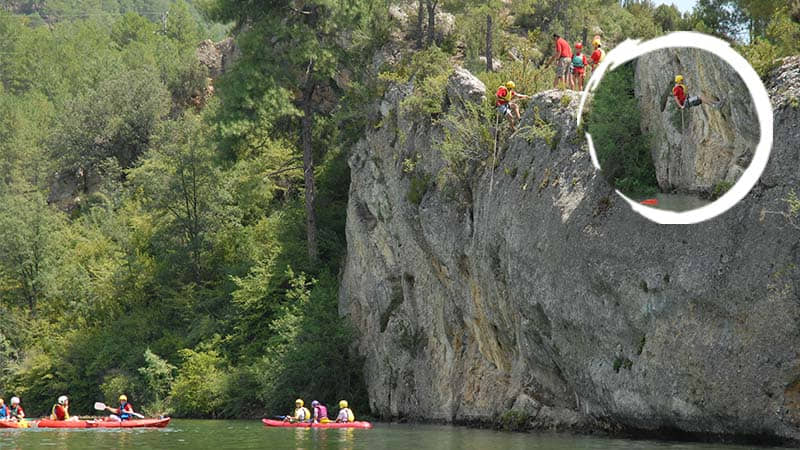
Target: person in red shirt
{"x":563,"y":56}
{"x":680,"y":94}
{"x":578,"y":68}
{"x":598,"y":54}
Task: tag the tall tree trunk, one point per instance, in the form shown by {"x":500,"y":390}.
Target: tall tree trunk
{"x":489,"y":60}
{"x":308,"y":166}
{"x":585,"y":36}
{"x":420,"y":18}
{"x":431,"y":4}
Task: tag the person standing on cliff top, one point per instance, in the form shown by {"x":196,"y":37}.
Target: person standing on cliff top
{"x":598,"y":54}
{"x":563,"y":58}
{"x":578,"y":67}
{"x":679,"y":93}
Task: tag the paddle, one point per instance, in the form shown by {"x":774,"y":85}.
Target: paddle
{"x":102,"y":407}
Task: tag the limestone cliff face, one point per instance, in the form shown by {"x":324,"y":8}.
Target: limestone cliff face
{"x":544,"y":293}
{"x":706,"y":146}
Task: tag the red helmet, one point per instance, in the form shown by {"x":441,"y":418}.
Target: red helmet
{"x":578,"y":45}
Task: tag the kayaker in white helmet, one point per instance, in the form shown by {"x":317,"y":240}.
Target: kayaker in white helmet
{"x":60,"y":410}
{"x":16,"y":411}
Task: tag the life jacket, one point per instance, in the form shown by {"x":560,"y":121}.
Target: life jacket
{"x":321,"y":412}
{"x":504,"y":95}
{"x":54,"y":416}
{"x":578,"y":61}
{"x":350,"y":416}
{"x":3,"y":412}
{"x":602,"y":55}
{"x":17,"y":412}
{"x":122,"y":414}
{"x":302,"y":411}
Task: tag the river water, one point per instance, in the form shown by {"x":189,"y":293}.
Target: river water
{"x":679,"y":202}
{"x":251,"y":434}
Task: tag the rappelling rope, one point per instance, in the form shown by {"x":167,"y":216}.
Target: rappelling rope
{"x":494,"y":159}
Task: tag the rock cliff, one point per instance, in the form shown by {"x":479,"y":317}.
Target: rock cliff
{"x":706,"y":146}
{"x":544,"y":294}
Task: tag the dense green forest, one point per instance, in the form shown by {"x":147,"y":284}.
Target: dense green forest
{"x":182,"y":244}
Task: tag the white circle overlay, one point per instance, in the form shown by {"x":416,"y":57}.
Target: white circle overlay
{"x":631,"y":49}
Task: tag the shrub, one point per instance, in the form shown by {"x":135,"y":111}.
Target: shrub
{"x":418,"y":187}
{"x":158,"y":376}
{"x":513,"y":420}
{"x":720,"y":189}
{"x":197,"y":389}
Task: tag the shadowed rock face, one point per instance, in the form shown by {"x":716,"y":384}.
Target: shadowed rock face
{"x":706,"y":146}
{"x":546,"y":294}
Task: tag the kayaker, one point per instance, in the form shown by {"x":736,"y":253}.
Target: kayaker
{"x":301,"y":413}
{"x":320,"y":412}
{"x":60,"y":410}
{"x":124,"y":412}
{"x":345,"y":414}
{"x":3,"y":410}
{"x":16,"y":411}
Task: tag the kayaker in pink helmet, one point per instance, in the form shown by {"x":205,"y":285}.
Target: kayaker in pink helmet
{"x":319,"y":412}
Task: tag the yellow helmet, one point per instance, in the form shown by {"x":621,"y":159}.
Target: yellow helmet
{"x":299,"y":402}
{"x":678,"y":78}
{"x":596,"y":43}
{"x":343,"y":404}
{"x":511,"y":85}
{"x":123,"y":398}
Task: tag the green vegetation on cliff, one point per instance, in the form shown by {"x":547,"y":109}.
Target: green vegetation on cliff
{"x":615,"y":124}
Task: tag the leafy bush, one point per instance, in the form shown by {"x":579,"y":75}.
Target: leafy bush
{"x":197,"y":390}
{"x":418,"y":187}
{"x":158,"y":377}
{"x":720,"y":189}
{"x":513,"y":420}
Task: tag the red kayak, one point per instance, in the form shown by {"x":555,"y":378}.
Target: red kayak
{"x":15,"y":424}
{"x":650,"y":201}
{"x":282,"y":424}
{"x":134,"y":423}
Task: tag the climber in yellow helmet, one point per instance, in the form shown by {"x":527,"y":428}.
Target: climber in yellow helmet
{"x":345,"y":413}
{"x":598,"y":54}
{"x":505,"y":102}
{"x":680,"y":94}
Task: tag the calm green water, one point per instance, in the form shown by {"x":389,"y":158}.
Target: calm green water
{"x":235,"y":434}
{"x":679,"y":202}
